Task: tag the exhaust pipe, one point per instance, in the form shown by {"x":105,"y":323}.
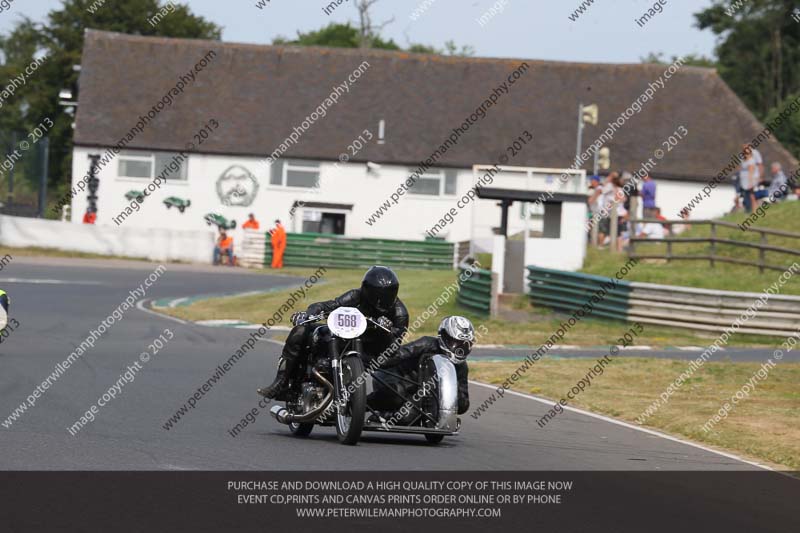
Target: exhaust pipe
{"x":282,"y":415}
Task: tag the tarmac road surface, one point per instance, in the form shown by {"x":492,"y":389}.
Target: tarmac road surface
{"x":57,"y":302}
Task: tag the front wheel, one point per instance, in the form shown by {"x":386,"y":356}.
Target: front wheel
{"x":351,"y":405}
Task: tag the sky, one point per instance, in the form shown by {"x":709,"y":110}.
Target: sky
{"x":606,"y":32}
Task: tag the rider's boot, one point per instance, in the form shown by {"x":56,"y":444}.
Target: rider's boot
{"x":285,"y":369}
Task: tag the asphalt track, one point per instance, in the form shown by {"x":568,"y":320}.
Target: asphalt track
{"x":57,"y":302}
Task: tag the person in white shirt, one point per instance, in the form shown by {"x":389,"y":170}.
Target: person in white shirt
{"x":749,"y":177}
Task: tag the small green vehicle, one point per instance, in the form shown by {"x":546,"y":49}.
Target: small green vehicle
{"x":220,"y":221}
{"x":179,"y":203}
{"x":134,"y":195}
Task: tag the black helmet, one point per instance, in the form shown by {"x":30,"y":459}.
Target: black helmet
{"x":379,"y":288}
{"x":456,"y":337}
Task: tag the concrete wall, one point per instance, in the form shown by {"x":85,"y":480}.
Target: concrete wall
{"x":153,"y":244}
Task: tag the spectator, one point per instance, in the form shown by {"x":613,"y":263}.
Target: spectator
{"x":737,"y":203}
{"x":90,"y":217}
{"x":631,"y":190}
{"x":749,"y":178}
{"x":652,"y":230}
{"x":677,"y":229}
{"x":278,"y":244}
{"x":649,"y":196}
{"x":779,"y":187}
{"x":224,"y":247}
{"x":606,"y":202}
{"x":620,"y":198}
{"x":759,"y":160}
{"x":251,"y":223}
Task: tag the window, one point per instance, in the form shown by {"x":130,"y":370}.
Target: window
{"x":435,"y":183}
{"x":149,"y":165}
{"x":172,"y":166}
{"x":302,"y":174}
{"x":135,"y":166}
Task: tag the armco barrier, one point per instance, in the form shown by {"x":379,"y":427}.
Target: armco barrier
{"x":476,"y":291}
{"x":332,"y":251}
{"x":683,"y":307}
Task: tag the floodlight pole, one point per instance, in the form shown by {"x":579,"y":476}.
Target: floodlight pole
{"x":580,"y":135}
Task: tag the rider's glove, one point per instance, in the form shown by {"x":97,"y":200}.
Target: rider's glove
{"x":385,"y":322}
{"x":298,"y":317}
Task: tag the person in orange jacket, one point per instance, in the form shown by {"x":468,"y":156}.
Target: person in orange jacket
{"x":251,"y":223}
{"x":224,"y":247}
{"x":278,"y":244}
{"x":90,"y":217}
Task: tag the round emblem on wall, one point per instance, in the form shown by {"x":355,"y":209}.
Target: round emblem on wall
{"x":237,"y":187}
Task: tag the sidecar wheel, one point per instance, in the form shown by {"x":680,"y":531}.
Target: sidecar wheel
{"x":434,"y":438}
{"x":300,"y":429}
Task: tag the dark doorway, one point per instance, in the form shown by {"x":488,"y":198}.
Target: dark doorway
{"x":332,"y":223}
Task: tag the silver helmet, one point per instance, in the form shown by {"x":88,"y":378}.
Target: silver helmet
{"x":456,"y":337}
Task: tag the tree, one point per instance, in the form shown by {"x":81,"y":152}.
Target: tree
{"x":691,"y":60}
{"x":789,"y":130}
{"x":368,"y":31}
{"x":61,"y":40}
{"x":337,"y":36}
{"x":758,"y":49}
{"x":347,"y":36}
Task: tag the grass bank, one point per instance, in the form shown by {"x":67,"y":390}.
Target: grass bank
{"x":784,"y":216}
{"x":762,"y":426}
{"x":420,"y":288}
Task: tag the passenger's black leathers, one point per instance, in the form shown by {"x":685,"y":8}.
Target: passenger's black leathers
{"x":405,"y":362}
{"x":375,"y":340}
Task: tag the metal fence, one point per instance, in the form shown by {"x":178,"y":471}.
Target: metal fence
{"x":332,"y":251}
{"x":682,"y":307}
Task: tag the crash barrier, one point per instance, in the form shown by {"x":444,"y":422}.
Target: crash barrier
{"x":333,"y":251}
{"x":711,"y":254}
{"x":253,"y":249}
{"x":152,"y":244}
{"x":477,"y":292}
{"x":682,"y":307}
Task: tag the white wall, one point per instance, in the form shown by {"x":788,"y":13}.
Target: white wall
{"x":566,"y":253}
{"x":348,"y":183}
{"x":673,"y":196}
{"x":153,"y":244}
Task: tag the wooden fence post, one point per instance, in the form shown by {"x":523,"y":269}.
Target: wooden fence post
{"x":614,"y":227}
{"x":762,"y":253}
{"x":713,"y":242}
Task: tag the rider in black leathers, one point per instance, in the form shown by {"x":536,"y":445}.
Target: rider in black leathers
{"x":455,"y":340}
{"x":376,"y":298}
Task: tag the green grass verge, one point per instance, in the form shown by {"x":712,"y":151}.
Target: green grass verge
{"x":762,"y":426}
{"x":419,"y":288}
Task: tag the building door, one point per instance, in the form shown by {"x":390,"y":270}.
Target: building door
{"x":332,"y":223}
{"x":514,"y":267}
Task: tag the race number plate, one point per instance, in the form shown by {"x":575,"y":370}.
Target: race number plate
{"x":347,"y":322}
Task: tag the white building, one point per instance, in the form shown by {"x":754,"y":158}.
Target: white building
{"x":267,"y":129}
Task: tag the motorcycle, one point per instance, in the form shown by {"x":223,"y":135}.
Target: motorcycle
{"x":330,"y":389}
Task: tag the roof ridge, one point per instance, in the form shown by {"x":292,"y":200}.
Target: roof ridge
{"x":374,"y":52}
